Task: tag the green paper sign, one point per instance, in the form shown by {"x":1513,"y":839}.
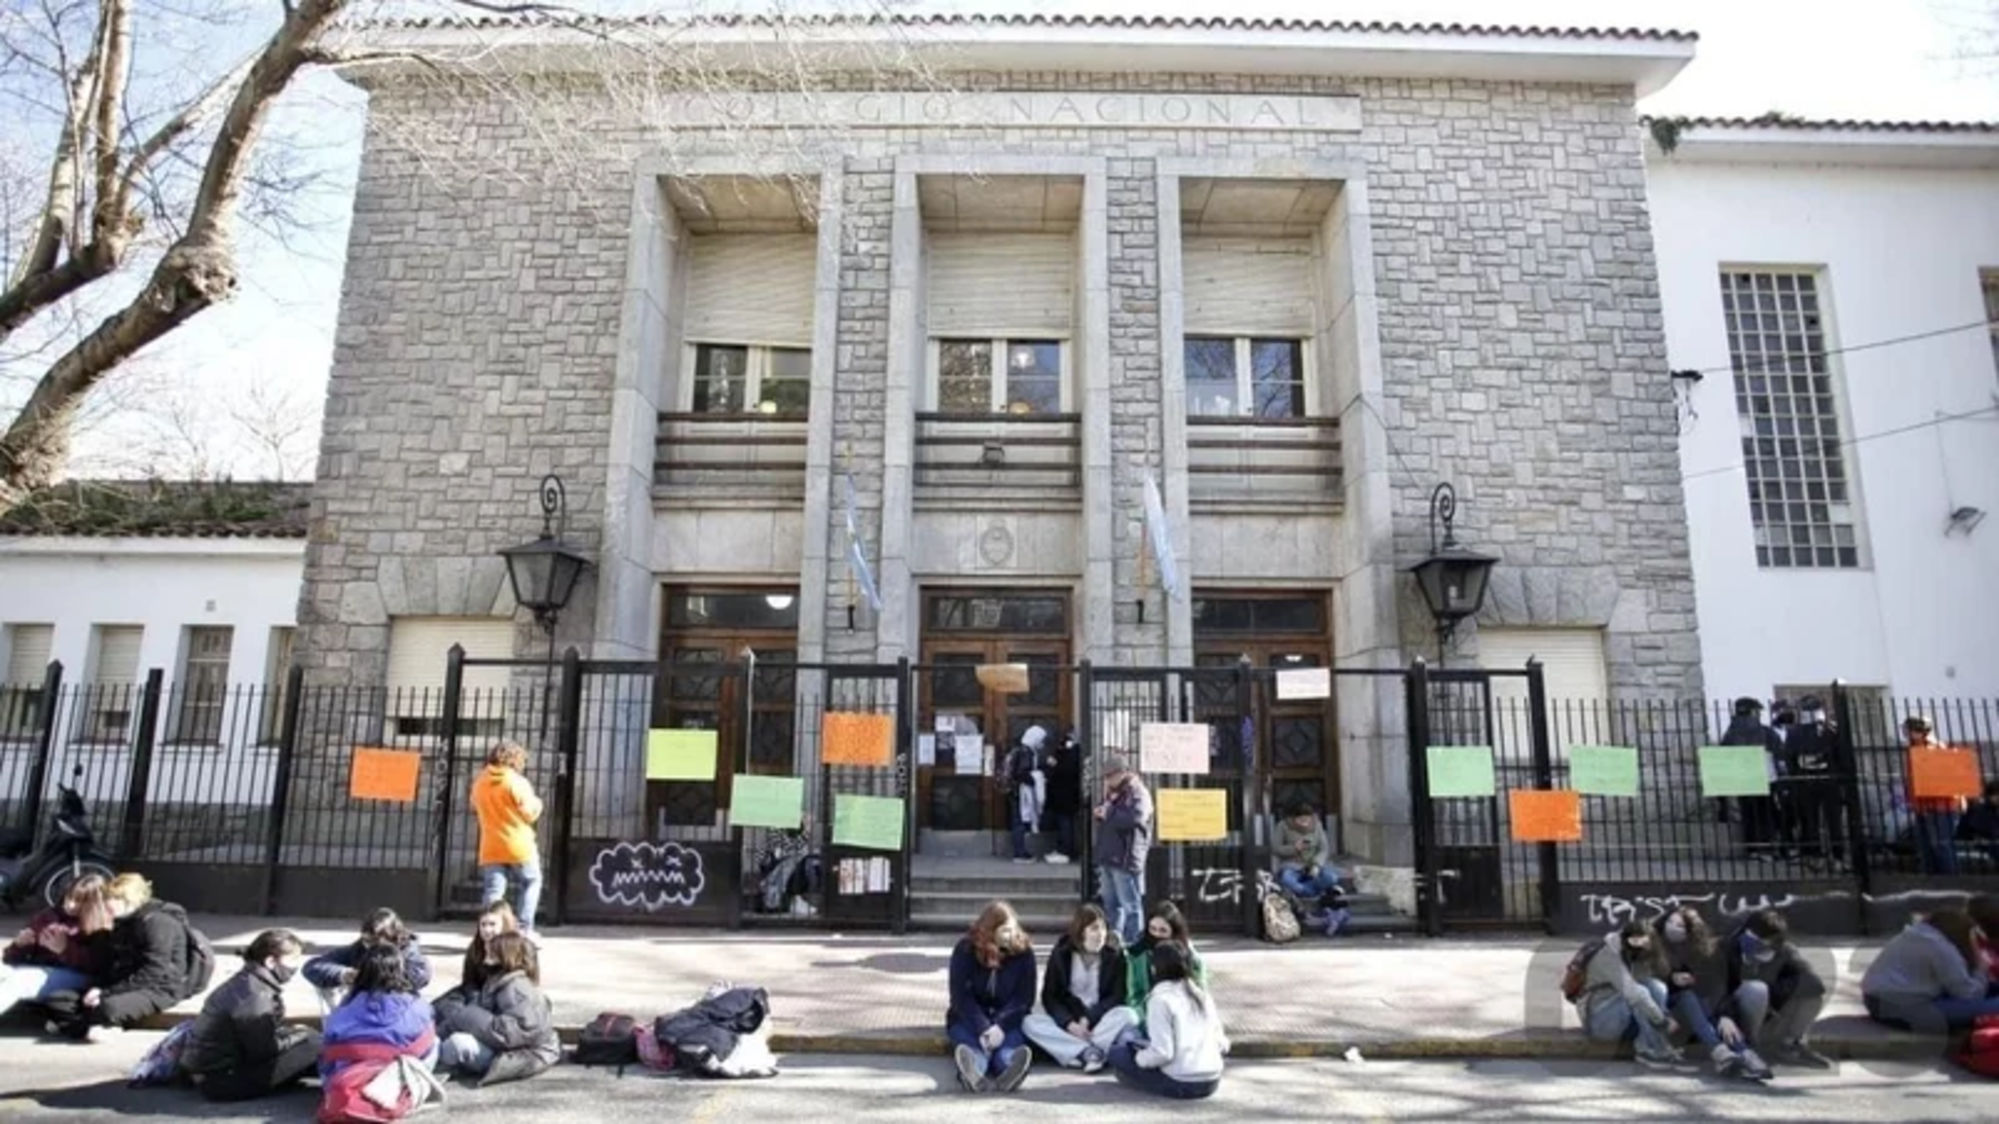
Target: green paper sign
{"x":868,"y":821}
{"x":1734,"y":770}
{"x":767,"y":801}
{"x":1603,"y":770}
{"x":680,"y":755}
{"x":1460,"y":770}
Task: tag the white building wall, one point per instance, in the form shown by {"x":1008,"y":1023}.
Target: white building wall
{"x":1900,"y":251}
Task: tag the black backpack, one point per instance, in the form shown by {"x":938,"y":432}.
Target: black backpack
{"x":200,"y":964}
{"x":612,"y":1038}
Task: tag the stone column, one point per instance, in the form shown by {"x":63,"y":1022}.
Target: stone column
{"x":860,"y":380}
{"x":1132,"y":220}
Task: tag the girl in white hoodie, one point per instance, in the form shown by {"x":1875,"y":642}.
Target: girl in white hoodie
{"x":1183,"y":1058}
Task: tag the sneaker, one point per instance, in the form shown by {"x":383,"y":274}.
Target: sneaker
{"x":1726,"y":1061}
{"x":1015,"y":1071}
{"x":1024,"y":860}
{"x":1664,"y":1059}
{"x":1754,"y":1068}
{"x":1336,"y":919}
{"x":1056,"y":857}
{"x":1094,"y":1060}
{"x":1801,"y":1054}
{"x":971,"y":1069}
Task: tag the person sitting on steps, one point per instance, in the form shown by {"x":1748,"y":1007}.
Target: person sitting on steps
{"x":241,"y":1047}
{"x":1083,"y":1013}
{"x":992,"y":992}
{"x":1624,"y":996}
{"x":1305,"y":867}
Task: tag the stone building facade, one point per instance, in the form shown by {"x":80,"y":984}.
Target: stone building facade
{"x":1436,"y":241}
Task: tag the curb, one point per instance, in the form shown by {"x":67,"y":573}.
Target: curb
{"x":1546,"y":1046}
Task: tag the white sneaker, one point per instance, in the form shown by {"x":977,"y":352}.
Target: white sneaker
{"x":1056,"y":857}
{"x":802,"y":908}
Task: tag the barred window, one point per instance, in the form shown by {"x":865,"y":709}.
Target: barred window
{"x":1800,"y":492}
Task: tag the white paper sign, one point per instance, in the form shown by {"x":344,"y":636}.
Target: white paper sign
{"x":926,"y":749}
{"x":969,"y":751}
{"x":878,"y":875}
{"x":1173,"y":747}
{"x":1305,"y":683}
{"x":947,"y":723}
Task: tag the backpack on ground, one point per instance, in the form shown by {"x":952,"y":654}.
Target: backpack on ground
{"x":1575,"y":977}
{"x":161,"y":1065}
{"x":612,"y":1038}
{"x":1280,"y":917}
{"x":374,"y":1090}
{"x":1980,"y":1052}
{"x":654,"y":1054}
{"x":200,"y":964}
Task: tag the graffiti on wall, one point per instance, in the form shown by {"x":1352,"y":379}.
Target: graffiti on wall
{"x":1225,"y":884}
{"x":1614,"y":909}
{"x":649,"y":876}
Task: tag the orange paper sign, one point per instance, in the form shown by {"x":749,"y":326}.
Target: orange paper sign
{"x":1937,"y":773}
{"x":1546,"y":817}
{"x":857,"y":739}
{"x":384,"y":774}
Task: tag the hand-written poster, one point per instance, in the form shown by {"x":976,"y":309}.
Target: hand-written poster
{"x":1173,"y":747}
{"x":1191,"y":815}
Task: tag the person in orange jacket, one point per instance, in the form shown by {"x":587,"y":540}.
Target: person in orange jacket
{"x":1936,"y":816}
{"x":508,"y":809}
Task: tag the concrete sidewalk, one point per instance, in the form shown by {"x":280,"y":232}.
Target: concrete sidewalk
{"x":831,"y":993}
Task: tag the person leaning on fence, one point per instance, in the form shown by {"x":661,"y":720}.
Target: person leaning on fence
{"x":332,"y":972}
{"x":1931,"y":978}
{"x":1181,"y":1056}
{"x":992,"y":992}
{"x":1083,"y":1013}
{"x":150,"y":960}
{"x":1124,"y":835}
{"x":382,"y":1017}
{"x":1763,"y":830}
{"x":1697,"y":989}
{"x":55,"y":952}
{"x":504,"y":1030}
{"x":241,"y":1047}
{"x":1624,"y":995}
{"x":508,"y":809}
{"x":1937,"y":817}
{"x":1774,"y":995}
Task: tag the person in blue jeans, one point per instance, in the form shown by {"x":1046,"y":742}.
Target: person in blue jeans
{"x":1624,"y":996}
{"x":55,"y":952}
{"x":1697,"y":992}
{"x":992,"y":980}
{"x":1124,"y":835}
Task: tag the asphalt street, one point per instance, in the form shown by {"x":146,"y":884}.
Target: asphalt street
{"x":41,"y":1081}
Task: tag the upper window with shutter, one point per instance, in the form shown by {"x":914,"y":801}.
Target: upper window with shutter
{"x":28,"y":649}
{"x":419,"y":650}
{"x":1576,"y":679}
{"x":111,"y":691}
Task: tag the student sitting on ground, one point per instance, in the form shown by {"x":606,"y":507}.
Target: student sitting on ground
{"x":1624,"y":995}
{"x":56,"y":952}
{"x":1182,"y":1055}
{"x":146,"y":954}
{"x":494,"y":919}
{"x":333,"y":972}
{"x":1931,"y":977}
{"x":504,"y":1029}
{"x":1774,"y":995}
{"x":1082,"y":997}
{"x":241,"y":1047}
{"x":1697,"y":990}
{"x":382,"y":1016}
{"x":992,"y":991}
{"x":1166,"y":923}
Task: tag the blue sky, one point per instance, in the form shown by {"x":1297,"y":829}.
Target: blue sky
{"x":1889,"y":59}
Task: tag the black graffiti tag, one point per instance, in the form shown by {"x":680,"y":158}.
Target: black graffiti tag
{"x":650,"y":876}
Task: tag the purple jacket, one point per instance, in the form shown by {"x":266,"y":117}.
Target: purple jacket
{"x":393,"y":1019}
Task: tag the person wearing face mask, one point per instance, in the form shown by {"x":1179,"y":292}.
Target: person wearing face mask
{"x":241,"y":1047}
{"x":1166,"y":925}
{"x":1773,"y":994}
{"x":1624,"y":996}
{"x":992,"y":991}
{"x":1812,"y":751}
{"x":1696,"y":990}
{"x":1083,"y":1012}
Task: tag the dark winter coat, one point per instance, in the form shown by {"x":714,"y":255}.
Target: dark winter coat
{"x":242,"y":1023}
{"x":79,"y":951}
{"x":398,"y":1020}
{"x":1748,"y":729}
{"x":1064,"y":767}
{"x":1709,"y":970}
{"x":983,"y":997}
{"x":1786,"y":976}
{"x":1061,"y":1004}
{"x":325,"y":970}
{"x":509,"y":1014}
{"x":1811,"y":750}
{"x":706,"y":1033}
{"x":145,"y":958}
{"x":1125,"y":835}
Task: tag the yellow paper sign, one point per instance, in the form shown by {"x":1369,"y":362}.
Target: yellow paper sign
{"x":384,"y":774}
{"x":680,"y":755}
{"x":1190,"y":815}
